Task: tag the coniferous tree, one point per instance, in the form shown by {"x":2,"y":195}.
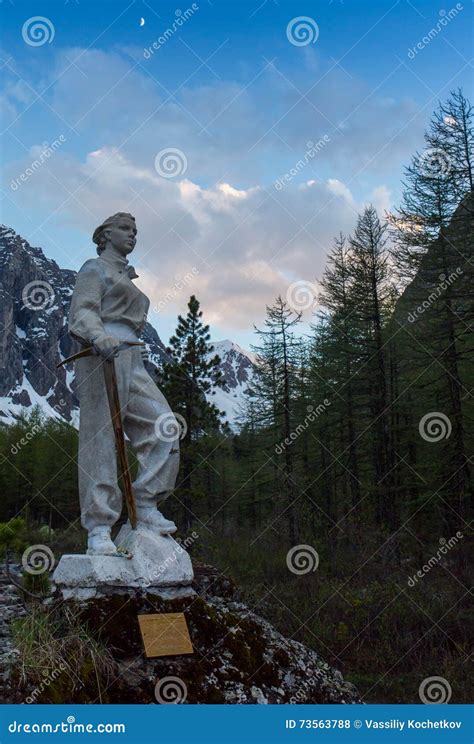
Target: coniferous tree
{"x":435,"y":181}
{"x":436,"y":352}
{"x":337,"y":297}
{"x":278,"y":370}
{"x":431,"y":246}
{"x":452,"y":130}
{"x":372,"y":296}
{"x":187,"y":379}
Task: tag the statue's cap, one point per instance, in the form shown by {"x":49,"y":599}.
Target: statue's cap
{"x":108,"y":222}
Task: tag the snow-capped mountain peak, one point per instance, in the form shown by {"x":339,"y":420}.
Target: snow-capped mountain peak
{"x":34,"y":302}
{"x":238,"y":368}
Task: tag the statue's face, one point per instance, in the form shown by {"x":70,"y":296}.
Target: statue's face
{"x":123,"y":236}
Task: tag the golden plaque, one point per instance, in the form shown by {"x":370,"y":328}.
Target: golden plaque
{"x":165,"y":634}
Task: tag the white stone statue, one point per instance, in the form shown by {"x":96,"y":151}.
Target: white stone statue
{"x":107,"y":312}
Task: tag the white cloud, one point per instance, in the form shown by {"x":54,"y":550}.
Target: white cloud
{"x":381,"y":199}
{"x":243,"y":242}
{"x":340,"y":189}
{"x":224,"y":217}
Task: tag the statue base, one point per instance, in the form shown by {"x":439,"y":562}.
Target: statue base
{"x":158,"y":564}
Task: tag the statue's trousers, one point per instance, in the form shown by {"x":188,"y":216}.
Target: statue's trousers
{"x":149,"y":425}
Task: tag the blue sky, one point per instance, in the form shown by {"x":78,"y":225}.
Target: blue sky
{"x":232,"y":99}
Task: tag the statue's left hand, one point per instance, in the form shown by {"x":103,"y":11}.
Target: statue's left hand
{"x":107,"y":346}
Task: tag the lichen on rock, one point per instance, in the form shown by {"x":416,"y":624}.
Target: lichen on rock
{"x":239,"y":657}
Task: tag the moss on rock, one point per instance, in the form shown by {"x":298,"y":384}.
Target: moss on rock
{"x":238,"y":656}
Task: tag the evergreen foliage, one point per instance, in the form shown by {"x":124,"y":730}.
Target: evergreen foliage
{"x":355,"y":440}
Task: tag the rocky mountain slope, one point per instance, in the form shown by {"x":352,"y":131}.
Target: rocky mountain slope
{"x":445,"y":271}
{"x":34,"y":302}
{"x":238,"y":368}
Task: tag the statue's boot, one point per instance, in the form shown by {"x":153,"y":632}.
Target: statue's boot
{"x":149,"y":516}
{"x":99,"y":542}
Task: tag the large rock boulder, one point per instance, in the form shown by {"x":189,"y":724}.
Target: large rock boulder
{"x":239,"y":657}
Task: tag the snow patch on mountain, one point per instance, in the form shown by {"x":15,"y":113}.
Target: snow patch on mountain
{"x":34,"y":339}
{"x":238,"y":368}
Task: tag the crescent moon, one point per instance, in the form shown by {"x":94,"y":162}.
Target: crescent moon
{"x":142,"y":21}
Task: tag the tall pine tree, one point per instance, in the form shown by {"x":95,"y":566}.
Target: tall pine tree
{"x":188,"y":380}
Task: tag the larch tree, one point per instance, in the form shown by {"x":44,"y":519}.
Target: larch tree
{"x":279,"y":354}
{"x":372,"y":296}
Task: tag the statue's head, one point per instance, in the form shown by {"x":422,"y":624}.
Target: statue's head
{"x":119,"y":231}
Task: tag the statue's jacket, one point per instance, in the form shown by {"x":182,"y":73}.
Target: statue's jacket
{"x":104,"y":297}
{"x":106,"y":301}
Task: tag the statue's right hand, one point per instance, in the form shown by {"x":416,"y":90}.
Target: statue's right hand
{"x":106,"y":345}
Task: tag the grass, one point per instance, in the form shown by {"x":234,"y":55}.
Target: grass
{"x":384,"y":636}
{"x":54,"y":646}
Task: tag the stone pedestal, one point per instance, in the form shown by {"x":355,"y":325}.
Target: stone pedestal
{"x":158,"y":565}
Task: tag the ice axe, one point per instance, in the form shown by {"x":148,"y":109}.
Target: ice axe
{"x":111,"y":386}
